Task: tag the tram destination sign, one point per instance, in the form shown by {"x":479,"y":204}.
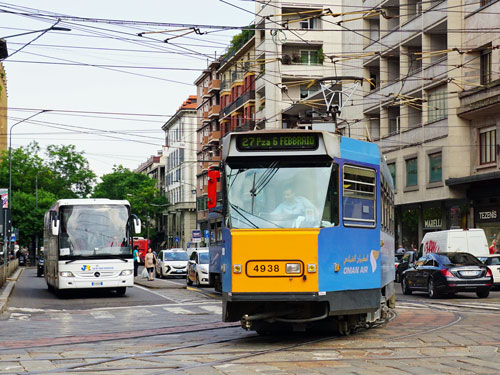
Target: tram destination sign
{"x":276,"y":142}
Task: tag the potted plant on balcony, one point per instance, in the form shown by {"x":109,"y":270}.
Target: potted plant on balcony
{"x":286,"y":60}
{"x":296,"y":59}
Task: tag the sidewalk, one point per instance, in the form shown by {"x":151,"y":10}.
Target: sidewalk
{"x":8,"y":287}
{"x":158,"y":283}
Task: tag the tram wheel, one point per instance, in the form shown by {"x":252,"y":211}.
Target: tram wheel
{"x":344,"y":327}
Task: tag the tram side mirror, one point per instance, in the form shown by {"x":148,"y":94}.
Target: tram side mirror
{"x":213,"y":177}
{"x":54,"y":223}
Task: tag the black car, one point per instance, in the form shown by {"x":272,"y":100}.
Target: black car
{"x":408,"y":258}
{"x":443,"y":273}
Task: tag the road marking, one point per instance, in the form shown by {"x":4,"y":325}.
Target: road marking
{"x":60,"y":316}
{"x":18,"y":316}
{"x":141,"y":312}
{"x":102,"y":315}
{"x":178,"y":310}
{"x":212,"y":308}
{"x":153,"y":292}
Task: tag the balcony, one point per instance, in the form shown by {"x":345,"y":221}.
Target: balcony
{"x":214,"y":136}
{"x":437,"y":70}
{"x":214,"y":86}
{"x":225,"y":85}
{"x":205,"y":140}
{"x":202,"y":215}
{"x":436,"y":14}
{"x":480,"y":101}
{"x":204,"y":117}
{"x":246,"y":97}
{"x":414,"y":136}
{"x":205,"y":93}
{"x":413,"y":82}
{"x":236,"y":76}
{"x":247,"y":126}
{"x":213,"y":111}
{"x":387,"y":91}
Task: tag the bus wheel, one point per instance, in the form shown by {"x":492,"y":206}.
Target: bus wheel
{"x":121,"y":291}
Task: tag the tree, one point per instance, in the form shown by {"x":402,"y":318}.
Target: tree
{"x":145,"y":199}
{"x":64,"y":174}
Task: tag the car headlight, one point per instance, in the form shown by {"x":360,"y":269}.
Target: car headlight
{"x":66,"y":274}
{"x":126,"y":273}
{"x":293,"y":268}
{"x":203,"y":270}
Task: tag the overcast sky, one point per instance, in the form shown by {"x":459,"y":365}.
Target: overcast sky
{"x":107,"y":90}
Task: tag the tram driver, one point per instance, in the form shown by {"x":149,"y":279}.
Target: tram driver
{"x":296,"y":210}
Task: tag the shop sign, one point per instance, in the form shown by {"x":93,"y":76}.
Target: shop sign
{"x":489,"y":214}
{"x":432,"y":223}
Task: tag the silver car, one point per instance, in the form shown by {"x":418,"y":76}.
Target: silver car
{"x":171,"y":263}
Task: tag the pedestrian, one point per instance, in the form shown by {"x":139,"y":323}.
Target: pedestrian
{"x":136,"y":259}
{"x":149,"y":263}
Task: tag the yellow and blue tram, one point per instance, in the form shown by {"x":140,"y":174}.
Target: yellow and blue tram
{"x":308,"y":230}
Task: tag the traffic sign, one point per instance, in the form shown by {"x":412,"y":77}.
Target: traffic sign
{"x":206,"y":233}
{"x":196,"y":233}
{"x":176,"y":239}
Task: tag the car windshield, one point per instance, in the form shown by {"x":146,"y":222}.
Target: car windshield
{"x":204,"y":259}
{"x":282,"y":194}
{"x":490,"y":261}
{"x":176,"y":256}
{"x":458,"y":259}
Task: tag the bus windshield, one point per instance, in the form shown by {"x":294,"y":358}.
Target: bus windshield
{"x":98,"y":231}
{"x":281,"y":194}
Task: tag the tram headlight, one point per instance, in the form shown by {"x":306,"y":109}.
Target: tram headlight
{"x":126,"y":273}
{"x":237,"y":268}
{"x":311,"y":268}
{"x":66,"y":274}
{"x":293,"y":268}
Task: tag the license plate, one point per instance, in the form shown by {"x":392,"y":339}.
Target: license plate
{"x":95,"y":283}
{"x":271,"y":268}
{"x":469,"y":273}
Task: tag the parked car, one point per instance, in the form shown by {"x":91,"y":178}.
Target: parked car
{"x":397,"y":260}
{"x":172,"y":262}
{"x":408,"y":258}
{"x":493,"y":263}
{"x":197,"y":268}
{"x":442,"y":273}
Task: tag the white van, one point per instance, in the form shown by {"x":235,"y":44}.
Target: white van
{"x":471,"y":241}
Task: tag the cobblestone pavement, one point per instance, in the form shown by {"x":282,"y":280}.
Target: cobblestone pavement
{"x":185,"y":335}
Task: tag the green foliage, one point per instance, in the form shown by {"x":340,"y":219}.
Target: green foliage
{"x":240,"y":39}
{"x":53,"y":178}
{"x":321,"y":56}
{"x":145,"y":199}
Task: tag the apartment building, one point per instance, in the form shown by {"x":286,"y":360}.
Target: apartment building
{"x":208,"y":87}
{"x":180,"y":173}
{"x":431,"y":107}
{"x":3,"y":108}
{"x":293,"y":46}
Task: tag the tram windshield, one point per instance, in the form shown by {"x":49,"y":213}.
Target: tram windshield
{"x":94,"y":232}
{"x":282,"y":194}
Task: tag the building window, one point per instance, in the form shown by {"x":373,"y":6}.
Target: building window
{"x":309,"y":57}
{"x":485,"y":2}
{"x":485,"y":66}
{"x":411,"y":172}
{"x":436,"y":167}
{"x":392,"y":170}
{"x":437,"y":104}
{"x":487,"y":142}
{"x":305,"y":91}
{"x":311,"y":23}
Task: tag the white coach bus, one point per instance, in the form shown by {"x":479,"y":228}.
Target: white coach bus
{"x":88,"y":244}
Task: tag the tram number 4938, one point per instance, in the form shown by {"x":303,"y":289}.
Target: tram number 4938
{"x":267,"y":268}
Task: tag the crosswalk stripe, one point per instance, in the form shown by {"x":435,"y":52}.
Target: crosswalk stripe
{"x":178,"y":310}
{"x":212,"y":308}
{"x":102,"y":315}
{"x":60,"y":316}
{"x":18,"y":316}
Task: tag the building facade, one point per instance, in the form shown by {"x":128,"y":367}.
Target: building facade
{"x":429,"y":102}
{"x":292,"y":48}
{"x":180,"y":174}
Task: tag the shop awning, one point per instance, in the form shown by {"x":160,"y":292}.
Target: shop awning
{"x":471,"y":179}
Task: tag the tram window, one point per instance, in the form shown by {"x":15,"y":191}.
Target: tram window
{"x":331,"y":210}
{"x":359,"y":196}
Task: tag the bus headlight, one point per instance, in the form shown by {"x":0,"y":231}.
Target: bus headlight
{"x":293,"y":268}
{"x":126,"y":273}
{"x":66,"y":274}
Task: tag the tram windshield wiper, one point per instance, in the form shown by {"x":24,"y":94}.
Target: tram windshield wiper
{"x":239,"y":210}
